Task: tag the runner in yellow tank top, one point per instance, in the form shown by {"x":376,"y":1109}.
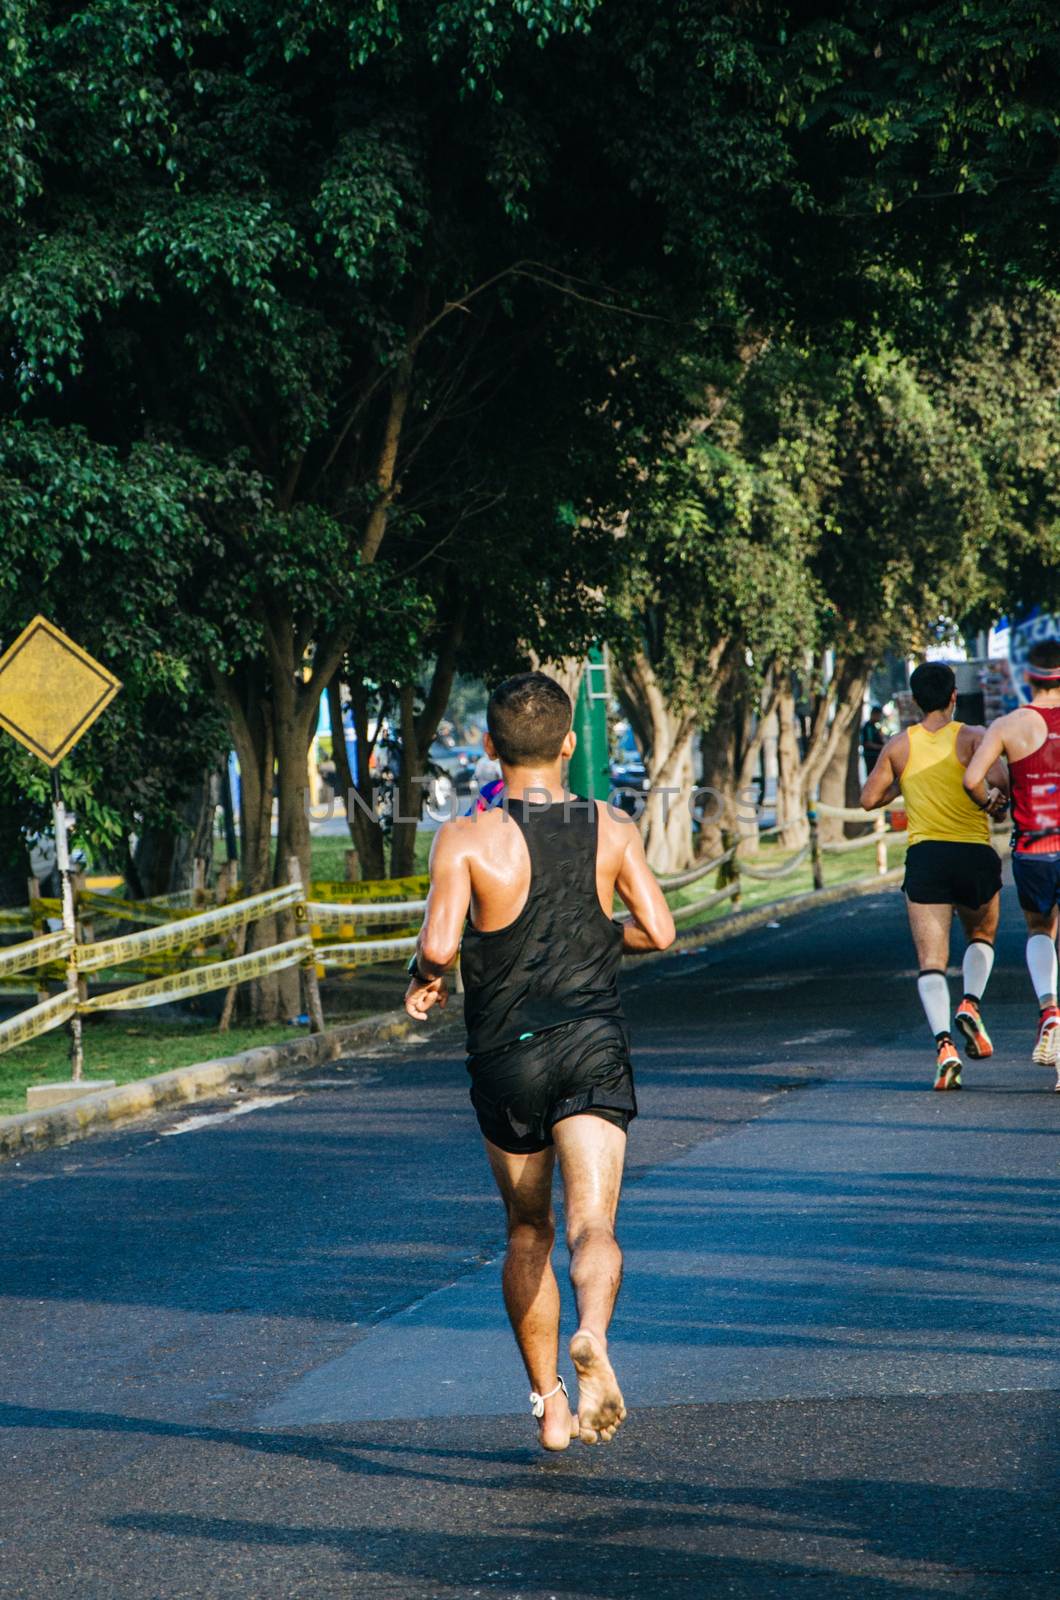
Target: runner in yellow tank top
{"x":950,"y":865}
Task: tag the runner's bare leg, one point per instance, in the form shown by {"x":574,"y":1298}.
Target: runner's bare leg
{"x":980,"y":922}
{"x":531,"y":1293}
{"x":930,"y":927}
{"x":591,"y":1154}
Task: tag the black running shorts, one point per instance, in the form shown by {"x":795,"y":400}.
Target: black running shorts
{"x":943,"y":872}
{"x":522,"y":1090}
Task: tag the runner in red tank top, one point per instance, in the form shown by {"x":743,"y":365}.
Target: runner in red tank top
{"x":1029,"y":739}
{"x":1035,"y":783}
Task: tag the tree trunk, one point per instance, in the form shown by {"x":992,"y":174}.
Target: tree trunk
{"x":250,"y":717}
{"x":294,"y":718}
{"x":841,"y":786}
{"x":194,"y":838}
{"x":716,"y":809}
{"x":418,"y":731}
{"x":836,"y":708}
{"x":409,"y":791}
{"x":667,"y":820}
{"x":366,"y":830}
{"x":791,"y":811}
{"x":149,"y":866}
{"x":667,"y":827}
{"x":344,"y":783}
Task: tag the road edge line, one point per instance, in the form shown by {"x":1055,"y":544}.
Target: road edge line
{"x":28,"y":1131}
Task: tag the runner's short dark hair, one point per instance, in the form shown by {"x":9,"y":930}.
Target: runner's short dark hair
{"x":932,"y":685}
{"x":528,"y":716}
{"x":1044,"y":654}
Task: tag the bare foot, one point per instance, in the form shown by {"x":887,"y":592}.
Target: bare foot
{"x":559,"y":1425}
{"x":601,"y":1408}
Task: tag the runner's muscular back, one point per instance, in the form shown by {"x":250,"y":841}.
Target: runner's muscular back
{"x":884,"y":781}
{"x":480,"y":865}
{"x":1021,"y":732}
{"x":1015,"y":736}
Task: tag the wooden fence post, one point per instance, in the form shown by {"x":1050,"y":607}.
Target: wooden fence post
{"x":815,"y":849}
{"x":37,"y":929}
{"x":730,"y":872}
{"x":310,"y":981}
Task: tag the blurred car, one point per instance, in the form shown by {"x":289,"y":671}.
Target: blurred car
{"x":457,"y":761}
{"x":630,"y":777}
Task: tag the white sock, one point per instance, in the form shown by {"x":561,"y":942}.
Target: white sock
{"x":934,"y":994}
{"x":977,"y":966}
{"x":1041,"y":964}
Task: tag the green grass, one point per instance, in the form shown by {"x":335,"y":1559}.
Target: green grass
{"x":124,"y":1051}
{"x":838,"y":869}
{"x":328,"y":854}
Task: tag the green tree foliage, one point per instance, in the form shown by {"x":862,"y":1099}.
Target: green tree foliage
{"x":104,"y":542}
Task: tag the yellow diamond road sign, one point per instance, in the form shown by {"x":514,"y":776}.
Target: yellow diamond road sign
{"x":51,"y":690}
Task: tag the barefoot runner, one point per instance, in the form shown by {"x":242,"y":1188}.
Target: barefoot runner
{"x":528,"y":886}
{"x":950,"y":864}
{"x":1030,"y":740}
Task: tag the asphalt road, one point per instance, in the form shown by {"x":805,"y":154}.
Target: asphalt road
{"x":264,"y":1355}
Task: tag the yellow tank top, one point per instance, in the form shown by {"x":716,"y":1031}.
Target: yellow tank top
{"x":933,"y":790}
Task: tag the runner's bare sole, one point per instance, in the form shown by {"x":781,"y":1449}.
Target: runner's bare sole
{"x":601,"y":1408}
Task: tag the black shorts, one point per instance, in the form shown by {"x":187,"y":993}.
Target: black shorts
{"x":943,"y":872}
{"x":522,"y":1090}
{"x":1037,"y":880}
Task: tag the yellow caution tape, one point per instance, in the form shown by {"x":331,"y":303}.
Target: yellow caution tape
{"x":164,"y":909}
{"x":35,"y":952}
{"x":189,"y":930}
{"x":38,"y":1019}
{"x":364,"y":950}
{"x":13,"y":917}
{"x":45,"y":907}
{"x":218,"y":975}
{"x":323,"y":915}
{"x":414,"y":888}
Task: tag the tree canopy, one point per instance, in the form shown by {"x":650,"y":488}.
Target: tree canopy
{"x":364,"y":343}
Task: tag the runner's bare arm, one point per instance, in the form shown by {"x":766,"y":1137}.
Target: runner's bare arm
{"x":881,"y":784}
{"x":443,"y":920}
{"x":997,"y":784}
{"x":652,"y":927}
{"x":978,"y":772}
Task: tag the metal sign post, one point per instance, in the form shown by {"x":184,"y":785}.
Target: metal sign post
{"x":62,"y":862}
{"x":590,"y":765}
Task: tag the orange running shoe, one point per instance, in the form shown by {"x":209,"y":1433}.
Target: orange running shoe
{"x":948,"y":1070}
{"x":975,"y":1035}
{"x":1044,"y":1053}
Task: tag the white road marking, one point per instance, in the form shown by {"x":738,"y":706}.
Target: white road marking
{"x":207,"y":1118}
{"x":821,"y":1035}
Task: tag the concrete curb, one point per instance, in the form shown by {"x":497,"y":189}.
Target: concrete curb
{"x":78,"y":1119}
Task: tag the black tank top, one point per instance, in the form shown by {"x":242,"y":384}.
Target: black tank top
{"x":558,"y":961}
